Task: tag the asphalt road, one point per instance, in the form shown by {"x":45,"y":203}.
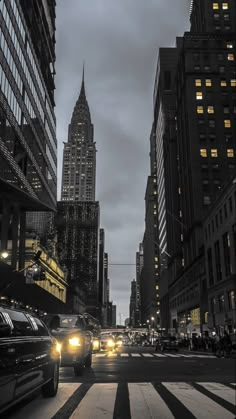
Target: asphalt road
{"x":143,"y":364}
{"x":138,"y":383}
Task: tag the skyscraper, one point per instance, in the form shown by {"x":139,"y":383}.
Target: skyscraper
{"x":79,"y":157}
{"x":78,"y":213}
{"x":27,"y":121}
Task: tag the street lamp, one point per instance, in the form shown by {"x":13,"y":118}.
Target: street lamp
{"x":152,"y":319}
{"x":4,"y":254}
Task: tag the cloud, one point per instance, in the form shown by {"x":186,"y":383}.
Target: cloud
{"x":119,"y":41}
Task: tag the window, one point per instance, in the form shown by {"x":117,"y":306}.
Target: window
{"x":202,"y":137}
{"x":230,"y":57}
{"x":213,"y":305}
{"x":229,"y":45}
{"x":226,"y":16}
{"x":216,"y":16}
{"x":223,"y":83}
{"x":210,"y":109}
{"x":210,"y":266}
{"x":212,"y":137}
{"x":218,"y":260}
{"x":42,"y":331}
{"x":221,"y":302}
{"x":227,"y":123}
{"x":230,"y":152}
{"x":215,"y":6}
{"x":198,"y":82}
{"x":211,"y":123}
{"x":199,"y":95}
{"x":208,"y":82}
{"x":20,"y":322}
{"x":206,"y":200}
{"x":225,"y":6}
{"x":231,"y":299}
{"x":233,"y":83}
{"x":200,"y":109}
{"x":226,"y":109}
{"x":226,"y":247}
{"x":214,"y":152}
{"x":203,"y":152}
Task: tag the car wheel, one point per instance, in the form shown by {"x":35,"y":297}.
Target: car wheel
{"x":50,"y":389}
{"x":88,"y":361}
{"x":78,"y":369}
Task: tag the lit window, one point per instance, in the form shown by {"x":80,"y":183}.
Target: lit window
{"x":230,"y":57}
{"x":200,"y":109}
{"x":215,"y":6}
{"x":198,"y":82}
{"x":208,"y":83}
{"x":229,"y":45}
{"x":157,"y":287}
{"x":214,"y":152}
{"x":199,"y":95}
{"x":226,"y":109}
{"x":230,"y":152}
{"x":203,"y":152}
{"x":216,"y":16}
{"x":206,"y":200}
{"x":210,"y":109}
{"x":225,"y":6}
{"x":233,"y":83}
{"x":227,"y":123}
{"x":223,"y":83}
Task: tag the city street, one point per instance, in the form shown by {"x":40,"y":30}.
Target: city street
{"x":141,"y":383}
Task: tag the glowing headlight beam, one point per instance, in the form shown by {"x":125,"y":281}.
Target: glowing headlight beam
{"x":74,"y":341}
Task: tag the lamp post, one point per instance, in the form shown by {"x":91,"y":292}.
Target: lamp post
{"x":152,"y":319}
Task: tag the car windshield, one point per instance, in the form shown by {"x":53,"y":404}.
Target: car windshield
{"x":70,"y":322}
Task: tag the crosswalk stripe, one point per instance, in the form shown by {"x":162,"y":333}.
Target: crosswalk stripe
{"x":146,"y":403}
{"x":160,"y":355}
{"x":173,"y":356}
{"x":220,"y":390}
{"x":147,"y":355}
{"x":98,"y":402}
{"x":135,"y":355}
{"x":112,"y":355}
{"x":204,"y":356}
{"x":100,"y":355}
{"x":124,"y":355}
{"x":233,"y":384}
{"x":46,"y":408}
{"x":186,"y":356}
{"x":197,"y":403}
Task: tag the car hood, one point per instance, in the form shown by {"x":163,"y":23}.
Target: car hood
{"x":63,"y":332}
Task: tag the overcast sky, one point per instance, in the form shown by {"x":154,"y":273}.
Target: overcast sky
{"x":119,"y":42}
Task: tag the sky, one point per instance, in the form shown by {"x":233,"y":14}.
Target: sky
{"x":118,"y":40}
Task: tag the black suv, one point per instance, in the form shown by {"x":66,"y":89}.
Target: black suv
{"x":29,"y":357}
{"x":74,"y":335}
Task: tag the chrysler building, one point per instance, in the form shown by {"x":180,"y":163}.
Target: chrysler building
{"x":79,"y":156}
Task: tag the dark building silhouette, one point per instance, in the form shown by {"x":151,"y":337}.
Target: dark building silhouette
{"x":78,"y":241}
{"x":28,"y":146}
{"x":132,"y":304}
{"x":195,"y":87}
{"x":149,"y":277}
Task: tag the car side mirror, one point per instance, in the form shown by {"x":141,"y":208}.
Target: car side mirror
{"x":5,"y":330}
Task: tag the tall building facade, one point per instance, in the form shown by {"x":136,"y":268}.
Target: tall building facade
{"x":132,"y":304}
{"x":198,"y":155}
{"x":168,"y":226}
{"x":78,"y":243}
{"x":149,"y":279}
{"x":79,"y":155}
{"x":28,"y":146}
{"x":79,"y":237}
{"x":139,"y":267}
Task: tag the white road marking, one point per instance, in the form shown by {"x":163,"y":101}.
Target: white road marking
{"x":148,"y":355}
{"x":204,"y":356}
{"x":135,"y":355}
{"x":98,"y":402}
{"x":46,"y":408}
{"x":100,"y":355}
{"x":221,"y":390}
{"x":233,"y":384}
{"x":173,"y":356}
{"x":146,"y":403}
{"x":160,"y":355}
{"x":124,"y":355}
{"x":112,"y":355}
{"x":186,"y":356}
{"x":197,"y":403}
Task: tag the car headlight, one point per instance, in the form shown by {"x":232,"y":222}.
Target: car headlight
{"x":110,"y":343}
{"x":119,"y":343}
{"x":75,"y":341}
{"x":58,"y":347}
{"x":96,"y":344}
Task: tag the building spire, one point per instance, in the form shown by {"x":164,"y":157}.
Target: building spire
{"x":82,"y":90}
